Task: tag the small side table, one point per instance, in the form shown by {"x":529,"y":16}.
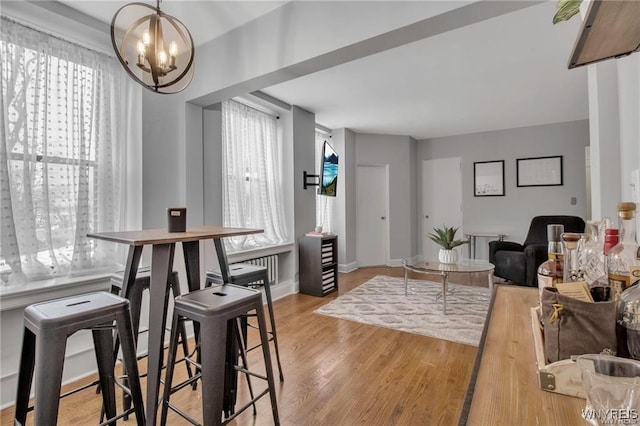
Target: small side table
{"x":467,"y":266}
{"x":472,"y":236}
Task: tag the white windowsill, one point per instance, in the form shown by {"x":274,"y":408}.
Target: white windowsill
{"x":259,"y":252}
{"x":41,"y":290}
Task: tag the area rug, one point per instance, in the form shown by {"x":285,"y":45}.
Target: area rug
{"x":381,"y":301}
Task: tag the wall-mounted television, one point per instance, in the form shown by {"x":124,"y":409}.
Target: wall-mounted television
{"x":328,"y":171}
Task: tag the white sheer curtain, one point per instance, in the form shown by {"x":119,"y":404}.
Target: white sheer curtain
{"x":62,"y":155}
{"x":324,"y":204}
{"x":252,"y":176}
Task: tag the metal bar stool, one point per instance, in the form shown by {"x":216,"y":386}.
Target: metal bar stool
{"x":217,"y":309}
{"x":142,"y":284}
{"x":47,"y":327}
{"x":244,"y":274}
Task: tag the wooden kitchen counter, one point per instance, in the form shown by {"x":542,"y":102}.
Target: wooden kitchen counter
{"x":503,"y":388}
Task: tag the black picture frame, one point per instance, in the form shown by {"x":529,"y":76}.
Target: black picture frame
{"x":540,"y":171}
{"x":488,"y":178}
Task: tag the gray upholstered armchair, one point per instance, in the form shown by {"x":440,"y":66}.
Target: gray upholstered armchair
{"x":519,"y":262}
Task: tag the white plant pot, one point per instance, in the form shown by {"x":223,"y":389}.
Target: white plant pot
{"x":447,"y":256}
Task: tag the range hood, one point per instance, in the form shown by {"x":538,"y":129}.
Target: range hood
{"x":611,"y":29}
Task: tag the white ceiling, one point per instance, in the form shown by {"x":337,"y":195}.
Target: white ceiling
{"x":506,"y":72}
{"x":206,"y":19}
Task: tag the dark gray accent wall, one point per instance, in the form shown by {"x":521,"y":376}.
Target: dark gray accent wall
{"x":512,"y":213}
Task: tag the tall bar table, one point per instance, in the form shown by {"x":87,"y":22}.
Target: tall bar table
{"x":163,"y":247}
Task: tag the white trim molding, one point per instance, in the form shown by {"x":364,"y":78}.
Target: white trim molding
{"x":348,"y":267}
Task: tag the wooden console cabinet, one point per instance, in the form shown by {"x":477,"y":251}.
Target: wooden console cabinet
{"x":318,"y":264}
{"x":503,"y":389}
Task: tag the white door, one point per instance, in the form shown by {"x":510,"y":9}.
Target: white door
{"x":372,"y":230}
{"x":441,"y":201}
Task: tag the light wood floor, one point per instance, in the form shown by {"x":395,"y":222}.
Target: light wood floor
{"x":337,"y":372}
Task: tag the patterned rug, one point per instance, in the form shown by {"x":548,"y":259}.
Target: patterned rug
{"x":381,"y":301}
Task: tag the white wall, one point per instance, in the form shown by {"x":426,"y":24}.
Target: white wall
{"x":304,"y":158}
{"x":394,"y":151}
{"x":604,"y":129}
{"x":344,"y":141}
{"x":512,"y":213}
{"x":629,"y":108}
{"x":614,"y":115}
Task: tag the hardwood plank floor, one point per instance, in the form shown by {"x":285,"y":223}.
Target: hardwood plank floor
{"x":337,"y":372}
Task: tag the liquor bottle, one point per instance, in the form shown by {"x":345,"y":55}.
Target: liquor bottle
{"x":572,"y":269}
{"x":611,"y":238}
{"x":594,"y":258}
{"x":592,"y":253}
{"x":629,"y":321}
{"x":550,"y":271}
{"x":623,"y":266}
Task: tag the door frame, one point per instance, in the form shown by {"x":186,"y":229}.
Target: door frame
{"x":385,"y":195}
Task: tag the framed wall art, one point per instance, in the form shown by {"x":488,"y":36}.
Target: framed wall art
{"x":539,"y":171}
{"x":488,"y":178}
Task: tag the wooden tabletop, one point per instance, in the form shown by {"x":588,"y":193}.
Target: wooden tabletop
{"x":506,"y":387}
{"x":162,"y":236}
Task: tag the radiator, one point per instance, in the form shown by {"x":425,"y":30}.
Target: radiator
{"x":270,"y":262}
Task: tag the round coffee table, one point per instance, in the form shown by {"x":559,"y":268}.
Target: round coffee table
{"x":465,"y":266}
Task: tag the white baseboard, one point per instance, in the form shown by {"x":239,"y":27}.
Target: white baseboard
{"x":349,"y":267}
{"x":282,"y":289}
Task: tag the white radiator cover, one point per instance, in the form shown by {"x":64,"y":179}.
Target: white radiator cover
{"x":270,"y":262}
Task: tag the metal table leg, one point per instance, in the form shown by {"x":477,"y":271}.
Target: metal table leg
{"x":445,"y":287}
{"x":406,"y":280}
{"x":161,"y":267}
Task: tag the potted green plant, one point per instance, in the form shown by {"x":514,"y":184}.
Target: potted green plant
{"x":445,"y":237}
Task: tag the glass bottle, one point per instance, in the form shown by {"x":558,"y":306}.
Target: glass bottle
{"x":550,"y":271}
{"x":629,"y":318}
{"x":611,"y":238}
{"x":623,"y":266}
{"x":592,"y":255}
{"x":572,"y":269}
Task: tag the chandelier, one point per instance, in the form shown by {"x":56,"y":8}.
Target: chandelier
{"x":156,"y":49}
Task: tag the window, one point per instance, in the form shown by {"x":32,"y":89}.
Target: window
{"x":59,"y":155}
{"x":252,"y":176}
{"x":324,"y":205}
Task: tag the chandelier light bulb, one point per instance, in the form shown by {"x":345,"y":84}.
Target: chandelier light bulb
{"x":162,"y":59}
{"x":173,"y":48}
{"x":141,"y":47}
{"x":146,"y":38}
